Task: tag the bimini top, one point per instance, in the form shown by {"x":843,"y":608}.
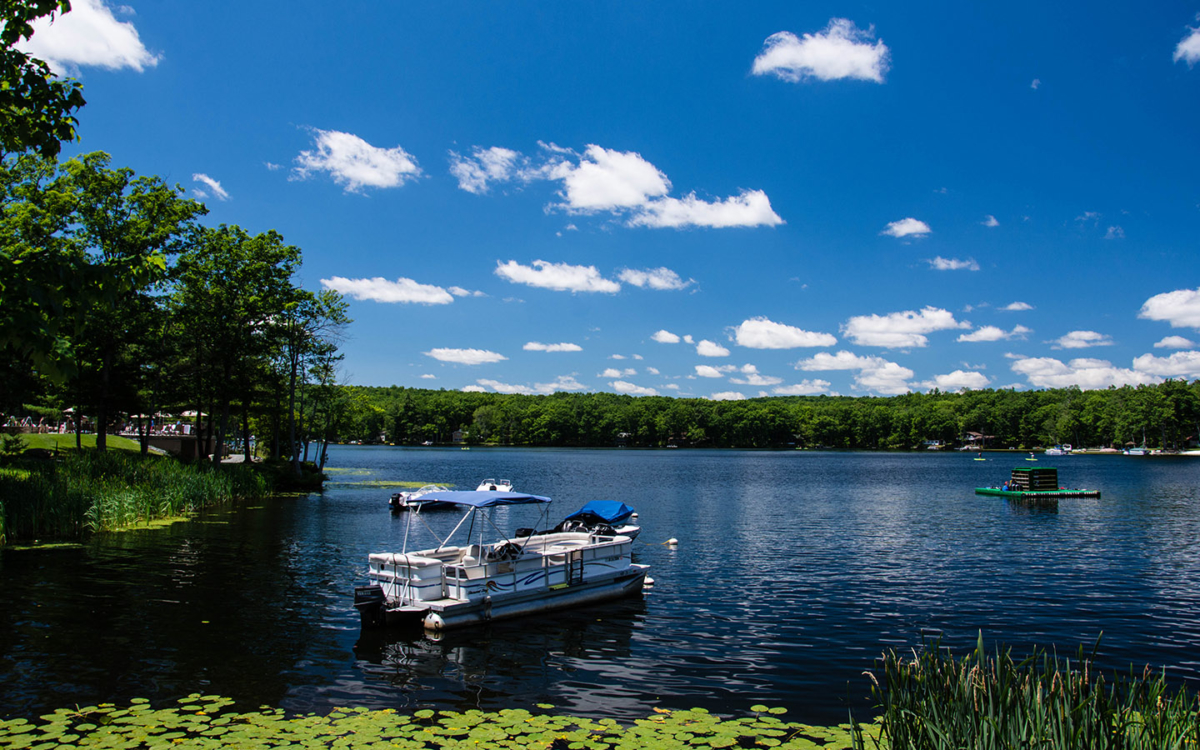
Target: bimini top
{"x":482,"y":499}
{"x":602,"y":511}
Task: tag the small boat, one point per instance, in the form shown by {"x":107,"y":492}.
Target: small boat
{"x":597,"y":517}
{"x":1140,"y":450}
{"x":1039,"y":485}
{"x":414,"y":499}
{"x":1059,"y":450}
{"x":495,"y":485}
{"x":455,"y":586}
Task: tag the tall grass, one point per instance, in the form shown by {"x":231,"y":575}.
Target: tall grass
{"x":936,"y":702}
{"x":104,"y":491}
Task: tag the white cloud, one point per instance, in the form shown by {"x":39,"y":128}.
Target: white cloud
{"x":953,"y":264}
{"x":473,"y":389}
{"x":665,"y":337}
{"x":1017,"y":306}
{"x":652,"y":370}
{"x":429,"y":376}
{"x":1188,"y":48}
{"x":88,"y":35}
{"x":803,"y":388}
{"x":992,"y":333}
{"x":761,"y":333}
{"x":750,"y":208}
{"x":708,"y":371}
{"x":957,"y":381}
{"x":909,"y":227}
{"x":458,"y":291}
{"x":708,"y":348}
{"x":655,"y":278}
{"x":753,"y":377}
{"x":1180,"y":308}
{"x":561,"y":277}
{"x":1177,"y":365}
{"x":621,"y":386}
{"x":842,"y":50}
{"x":990,"y":221}
{"x":355,"y":164}
{"x":900,"y":329}
{"x":874,"y":373}
{"x":1174,"y":342}
{"x":1081,"y":340}
{"x":613,"y":372}
{"x":218,"y":192}
{"x":537,"y":346}
{"x":380,"y":289}
{"x":466,"y":356}
{"x":727,"y":396}
{"x":562,"y":383}
{"x":605,"y":179}
{"x":484,"y":166}
{"x":1036,"y":83}
{"x":1114,"y":233}
{"x":687,"y":339}
{"x":616,"y":356}
{"x":1088,"y":374}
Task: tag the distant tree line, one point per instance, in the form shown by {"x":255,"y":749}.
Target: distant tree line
{"x":1167,"y":415}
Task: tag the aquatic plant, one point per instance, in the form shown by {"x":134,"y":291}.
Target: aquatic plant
{"x":91,"y":491}
{"x":934,"y":701}
{"x":207,"y":722}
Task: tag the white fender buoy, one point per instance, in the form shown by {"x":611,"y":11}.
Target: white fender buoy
{"x":672,"y":542}
{"x":648,"y":583}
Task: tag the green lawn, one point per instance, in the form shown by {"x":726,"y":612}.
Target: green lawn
{"x":53,"y":441}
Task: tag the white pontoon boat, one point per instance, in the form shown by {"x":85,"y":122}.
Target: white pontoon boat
{"x":454,"y":586}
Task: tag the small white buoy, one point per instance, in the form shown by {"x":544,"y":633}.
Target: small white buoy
{"x":672,"y":542}
{"x":647,"y":584}
{"x":634,"y":515}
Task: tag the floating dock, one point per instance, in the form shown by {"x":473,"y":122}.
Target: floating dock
{"x":1040,"y":484}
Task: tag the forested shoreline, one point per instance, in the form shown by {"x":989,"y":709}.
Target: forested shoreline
{"x":1166,"y":415}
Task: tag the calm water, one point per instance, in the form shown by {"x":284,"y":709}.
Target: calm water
{"x":793,"y":572}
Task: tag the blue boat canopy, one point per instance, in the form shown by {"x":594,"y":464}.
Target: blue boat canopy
{"x":602,"y":511}
{"x":478,"y":499}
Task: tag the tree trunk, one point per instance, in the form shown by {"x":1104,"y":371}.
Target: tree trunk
{"x":102,"y":407}
{"x":246,"y":433}
{"x":294,"y":358}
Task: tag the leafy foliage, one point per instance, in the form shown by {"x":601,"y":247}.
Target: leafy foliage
{"x":206,"y":722}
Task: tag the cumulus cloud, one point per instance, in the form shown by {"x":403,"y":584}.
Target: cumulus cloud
{"x":754,"y":377}
{"x":1035,"y":84}
{"x":900,"y":329}
{"x":1188,"y":48}
{"x":485,"y":166}
{"x":1174,"y":342}
{"x":708,"y":371}
{"x":708,"y":348}
{"x":762,"y":333}
{"x":561,"y":277}
{"x":380,"y":289}
{"x":1177,"y":365}
{"x":214,"y":187}
{"x":458,"y":291}
{"x":1088,"y":374}
{"x":990,"y":221}
{"x":622,"y":183}
{"x":842,"y":50}
{"x":727,"y":396}
{"x":561,"y":383}
{"x":88,"y":35}
{"x":473,"y":389}
{"x":655,"y":278}
{"x":665,"y":337}
{"x":750,"y":208}
{"x":1017,"y":306}
{"x":803,"y":388}
{"x":957,"y":381}
{"x":466,"y":356}
{"x":621,"y":386}
{"x":429,"y":376}
{"x":1114,"y":233}
{"x":355,"y":164}
{"x":874,"y":373}
{"x":1081,"y":340}
{"x":909,"y":227}
{"x":992,"y":333}
{"x":953,"y":264}
{"x":537,"y":346}
{"x":1180,"y":308}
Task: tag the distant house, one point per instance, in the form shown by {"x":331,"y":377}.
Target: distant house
{"x":623,"y":439}
{"x":457,"y":436}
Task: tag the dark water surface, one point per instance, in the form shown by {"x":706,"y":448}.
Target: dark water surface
{"x":793,"y":572}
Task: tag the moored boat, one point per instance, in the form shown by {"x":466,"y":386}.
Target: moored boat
{"x":454,"y":586}
{"x":1035,"y":484}
{"x":495,"y":485}
{"x":597,"y":517}
{"x":414,"y":499}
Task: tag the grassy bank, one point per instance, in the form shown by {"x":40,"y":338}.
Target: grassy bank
{"x":933,"y":701}
{"x":205,"y":722}
{"x":89,"y":491}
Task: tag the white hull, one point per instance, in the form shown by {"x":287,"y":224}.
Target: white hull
{"x":452,"y":587}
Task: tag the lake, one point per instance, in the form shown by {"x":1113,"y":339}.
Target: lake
{"x":793,"y":572}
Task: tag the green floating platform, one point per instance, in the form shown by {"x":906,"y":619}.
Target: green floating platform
{"x":1036,"y":494}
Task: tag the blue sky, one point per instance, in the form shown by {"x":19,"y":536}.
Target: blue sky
{"x":690,"y":199}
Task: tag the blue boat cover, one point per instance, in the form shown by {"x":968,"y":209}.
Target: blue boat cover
{"x":477,"y":499}
{"x":603,"y":511}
